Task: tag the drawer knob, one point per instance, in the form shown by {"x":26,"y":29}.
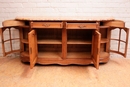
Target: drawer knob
{"x":81,"y":26}
{"x":46,"y":25}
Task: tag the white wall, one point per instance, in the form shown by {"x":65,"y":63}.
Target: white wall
{"x":119,"y":9}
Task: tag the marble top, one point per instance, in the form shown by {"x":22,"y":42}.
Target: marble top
{"x":29,"y":18}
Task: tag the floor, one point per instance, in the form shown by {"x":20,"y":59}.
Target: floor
{"x":14,"y":73}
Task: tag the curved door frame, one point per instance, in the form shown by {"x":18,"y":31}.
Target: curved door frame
{"x":9,"y":40}
{"x":119,"y":40}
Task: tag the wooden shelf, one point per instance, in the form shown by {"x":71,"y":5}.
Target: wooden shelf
{"x":50,"y":55}
{"x":78,"y":42}
{"x":79,"y":55}
{"x":104,"y":40}
{"x":25,"y":53}
{"x":25,"y":26}
{"x":104,"y":55}
{"x":102,"y":27}
{"x":45,"y":55}
{"x":24,"y":41}
{"x":46,"y":41}
{"x":70,"y":55}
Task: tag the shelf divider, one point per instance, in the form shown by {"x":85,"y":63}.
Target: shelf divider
{"x":64,"y":41}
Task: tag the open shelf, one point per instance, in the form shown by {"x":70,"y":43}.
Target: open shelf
{"x":85,"y":55}
{"x":45,"y":55}
{"x":104,"y":40}
{"x":104,"y":55}
{"x":45,"y":41}
{"x":24,"y":41}
{"x":102,"y":27}
{"x":50,"y":55}
{"x":25,"y":26}
{"x":70,"y":55}
{"x":78,"y":55}
{"x":78,"y":42}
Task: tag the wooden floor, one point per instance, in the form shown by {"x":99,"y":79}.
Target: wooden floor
{"x":14,"y":73}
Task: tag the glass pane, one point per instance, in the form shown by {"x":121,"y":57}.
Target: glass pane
{"x":14,"y":33}
{"x":115,"y":55}
{"x":6,"y":34}
{"x":7,"y":46}
{"x":114,"y":45}
{"x":16,"y":44}
{"x":122,"y":47}
{"x":115,"y":33}
{"x":123,"y":35}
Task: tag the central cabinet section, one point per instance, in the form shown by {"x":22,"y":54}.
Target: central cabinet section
{"x":79,"y":43}
{"x":49,"y":43}
{"x":63,"y":43}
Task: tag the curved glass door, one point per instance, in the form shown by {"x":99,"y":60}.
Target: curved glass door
{"x":10,"y":37}
{"x":119,"y":40}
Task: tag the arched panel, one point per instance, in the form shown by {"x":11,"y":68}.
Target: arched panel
{"x":115,"y":33}
{"x":119,"y":45}
{"x":10,"y":42}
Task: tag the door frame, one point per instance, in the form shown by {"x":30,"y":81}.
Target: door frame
{"x":119,"y":40}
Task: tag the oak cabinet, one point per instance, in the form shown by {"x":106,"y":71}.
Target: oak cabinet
{"x":63,"y":41}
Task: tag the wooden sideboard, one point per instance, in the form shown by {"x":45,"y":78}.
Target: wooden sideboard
{"x":64,"y":40}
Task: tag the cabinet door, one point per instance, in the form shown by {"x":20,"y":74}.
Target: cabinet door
{"x":33,"y":52}
{"x":10,"y":41}
{"x":96,"y":48}
{"x":121,"y":41}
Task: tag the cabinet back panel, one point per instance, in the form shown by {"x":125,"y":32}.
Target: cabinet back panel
{"x":79,"y":34}
{"x":25,"y":33}
{"x":49,"y":48}
{"x":103,"y":47}
{"x":26,"y":47}
{"x":79,"y":48}
{"x":103,"y":33}
{"x":49,"y":34}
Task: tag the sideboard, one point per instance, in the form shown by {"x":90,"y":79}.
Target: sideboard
{"x":64,"y":40}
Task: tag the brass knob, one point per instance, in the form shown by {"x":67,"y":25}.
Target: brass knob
{"x":46,"y":25}
{"x":81,"y":26}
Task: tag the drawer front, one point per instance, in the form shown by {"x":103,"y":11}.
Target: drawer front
{"x":46,"y":25}
{"x":115,"y":23}
{"x":81,"y":25}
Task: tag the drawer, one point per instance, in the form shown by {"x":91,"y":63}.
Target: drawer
{"x":115,"y":23}
{"x":81,"y":25}
{"x":9,"y":23}
{"x":46,"y":25}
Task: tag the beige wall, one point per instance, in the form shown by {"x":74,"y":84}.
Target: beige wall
{"x":119,"y":9}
